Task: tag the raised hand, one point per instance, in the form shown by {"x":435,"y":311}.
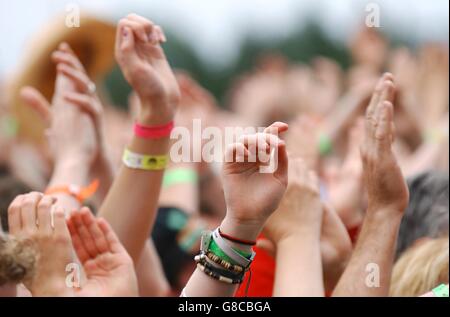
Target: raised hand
{"x":294,"y":230}
{"x":75,"y":121}
{"x":300,"y":210}
{"x":386,"y":187}
{"x":387,"y":199}
{"x":146,"y":68}
{"x":345,"y":183}
{"x":108,"y":267}
{"x":251,"y":196}
{"x":30,"y":217}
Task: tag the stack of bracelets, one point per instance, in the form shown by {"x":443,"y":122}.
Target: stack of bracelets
{"x":222,"y":262}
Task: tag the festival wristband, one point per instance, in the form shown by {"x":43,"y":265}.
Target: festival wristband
{"x":153,"y":132}
{"x":434,"y":136}
{"x":144,"y":162}
{"x":179,"y":176}
{"x":441,"y":291}
{"x":236,"y":256}
{"x":9,"y":127}
{"x":324,"y":144}
{"x":79,"y":193}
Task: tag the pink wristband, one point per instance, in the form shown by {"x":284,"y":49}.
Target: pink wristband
{"x":153,"y":132}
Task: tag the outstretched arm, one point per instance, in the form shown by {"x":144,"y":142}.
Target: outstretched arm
{"x":369,"y":270}
{"x":131,"y":203}
{"x":295,"y":229}
{"x":251,"y":197}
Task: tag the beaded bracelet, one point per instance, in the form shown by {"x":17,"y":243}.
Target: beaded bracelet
{"x":237,"y":269}
{"x":217,"y":273}
{"x":225,"y":264}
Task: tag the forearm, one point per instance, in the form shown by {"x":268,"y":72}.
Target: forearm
{"x":299,"y":266}
{"x":150,"y":274}
{"x":69,"y":172}
{"x":131,"y":204}
{"x":104,"y":171}
{"x":373,"y":256}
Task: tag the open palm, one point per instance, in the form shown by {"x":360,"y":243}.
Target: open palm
{"x":108,"y":267}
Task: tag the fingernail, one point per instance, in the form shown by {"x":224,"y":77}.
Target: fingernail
{"x":124,"y":32}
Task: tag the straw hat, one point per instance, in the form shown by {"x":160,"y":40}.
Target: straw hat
{"x":92,"y":41}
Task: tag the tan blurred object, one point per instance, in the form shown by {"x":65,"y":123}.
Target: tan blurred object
{"x":421,"y":268}
{"x":93,"y":43}
{"x":369,"y":47}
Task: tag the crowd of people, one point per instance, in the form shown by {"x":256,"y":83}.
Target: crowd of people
{"x":357,"y":204}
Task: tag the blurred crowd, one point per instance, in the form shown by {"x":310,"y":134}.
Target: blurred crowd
{"x":316,"y":237}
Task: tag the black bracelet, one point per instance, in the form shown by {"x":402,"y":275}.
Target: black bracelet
{"x":218,"y":273}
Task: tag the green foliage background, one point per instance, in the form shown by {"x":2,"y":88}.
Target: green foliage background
{"x":301,"y":46}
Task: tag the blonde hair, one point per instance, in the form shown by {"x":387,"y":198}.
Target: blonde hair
{"x":421,"y":268}
{"x":17,"y":259}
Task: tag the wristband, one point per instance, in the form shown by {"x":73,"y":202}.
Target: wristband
{"x":236,"y":240}
{"x":324,"y":144}
{"x":79,"y":193}
{"x":179,"y":176}
{"x":218,"y":273}
{"x":9,"y":127}
{"x":236,"y":256}
{"x":153,"y":132}
{"x":144,"y":162}
{"x":233,"y":256}
{"x":434,"y":136}
{"x":441,"y":291}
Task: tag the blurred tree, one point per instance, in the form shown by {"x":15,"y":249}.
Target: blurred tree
{"x":301,"y":46}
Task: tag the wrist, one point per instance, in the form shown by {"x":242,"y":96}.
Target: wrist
{"x":70,"y":171}
{"x":156,"y":113}
{"x":52,"y":288}
{"x":383,"y":216}
{"x":380,"y":212}
{"x":297,"y":232}
{"x":294,"y":242}
{"x":244,"y":230}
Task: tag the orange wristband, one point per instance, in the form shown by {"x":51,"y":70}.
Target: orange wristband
{"x":79,"y":193}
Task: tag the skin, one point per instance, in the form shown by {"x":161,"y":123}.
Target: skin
{"x":295,"y":230}
{"x":142,"y":61}
{"x":247,"y":210}
{"x":108,"y":267}
{"x":345,"y":186}
{"x":387,"y":198}
{"x":75,"y":111}
{"x":52,"y":242}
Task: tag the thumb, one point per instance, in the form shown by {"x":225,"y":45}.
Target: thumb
{"x":34,"y":99}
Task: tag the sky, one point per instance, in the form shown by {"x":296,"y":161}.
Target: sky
{"x":217,"y":28}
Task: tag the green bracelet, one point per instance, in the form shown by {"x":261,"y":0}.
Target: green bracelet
{"x":9,"y":127}
{"x":179,"y":176}
{"x":441,"y":291}
{"x":214,"y":248}
{"x":324,"y":144}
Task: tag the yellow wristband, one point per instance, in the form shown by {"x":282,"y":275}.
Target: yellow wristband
{"x":144,"y":162}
